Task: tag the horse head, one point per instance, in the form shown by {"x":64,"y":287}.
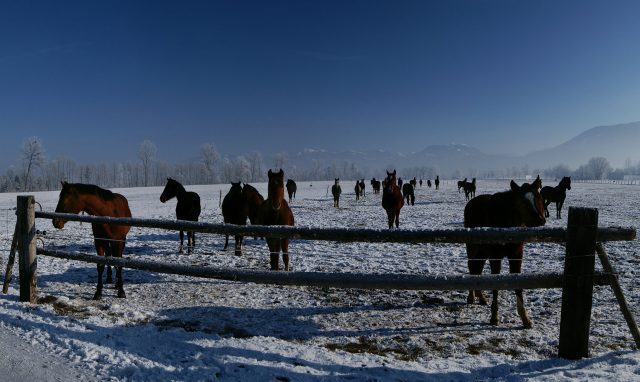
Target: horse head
{"x":529,"y":203}
{"x":275,"y":191}
{"x":68,"y":202}
{"x":390,"y":180}
{"x":566,"y":182}
{"x":169,"y":190}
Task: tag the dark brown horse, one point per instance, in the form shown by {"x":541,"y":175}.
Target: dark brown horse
{"x":555,"y":194}
{"x":392,"y":200}
{"x":291,"y":189}
{"x":363,"y":186}
{"x":413,"y":182}
{"x":276,"y":211}
{"x":437,"y":182}
{"x":109,"y":239}
{"x":521,"y":206}
{"x":469,"y":189}
{"x":336,"y":190}
{"x":429,"y":183}
{"x":187,"y":208}
{"x":254,"y":201}
{"x":375,"y":184}
{"x":461,"y":184}
{"x":358,"y":190}
{"x":408,"y":193}
{"x":234,"y":211}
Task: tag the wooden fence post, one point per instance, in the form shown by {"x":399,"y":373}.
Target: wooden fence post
{"x":27,"y":248}
{"x":577,"y":288}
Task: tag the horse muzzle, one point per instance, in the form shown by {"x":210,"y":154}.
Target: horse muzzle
{"x":163,"y":199}
{"x":58,"y":223}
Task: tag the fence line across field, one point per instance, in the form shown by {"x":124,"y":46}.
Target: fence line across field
{"x":577,"y":281}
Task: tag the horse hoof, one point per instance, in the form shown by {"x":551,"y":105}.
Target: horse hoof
{"x":109,"y":280}
{"x":527,"y":324}
{"x":494,"y":321}
{"x":97,"y":296}
{"x":121,"y":294}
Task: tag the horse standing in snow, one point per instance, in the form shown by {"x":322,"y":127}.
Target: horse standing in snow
{"x":522,"y":206}
{"x":437,"y":181}
{"x":555,"y":194}
{"x":358,"y":190}
{"x":275,"y":211}
{"x":408,"y":193}
{"x":461,"y":184}
{"x":336,"y":190}
{"x":187,"y":208}
{"x":235,"y":211}
{"x":109,"y":239}
{"x":291,"y":189}
{"x":375,"y":184}
{"x":392,"y":200}
{"x":469,"y":188}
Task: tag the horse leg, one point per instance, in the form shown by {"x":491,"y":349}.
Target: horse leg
{"x":546,"y":208}
{"x":495,"y":269}
{"x":515,"y":265}
{"x":274,"y":252}
{"x":191,"y":240}
{"x":100,"y":250}
{"x":238,"y":248}
{"x":108,"y":252}
{"x":284,"y":243}
{"x":397,"y":219}
{"x":226,"y":242}
{"x":475,"y":263}
{"x":117,"y":250}
{"x":181,"y":242}
{"x":558,"y":208}
{"x":390,"y":219}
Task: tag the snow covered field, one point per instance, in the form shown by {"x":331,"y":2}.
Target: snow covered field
{"x":180,"y":328}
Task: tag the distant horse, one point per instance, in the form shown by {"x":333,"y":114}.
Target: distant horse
{"x":408,"y":194}
{"x":392,"y":200}
{"x":399,"y":182}
{"x":437,"y":181}
{"x":358,"y":189}
{"x":469,"y":188}
{"x":413,"y":182}
{"x":253,"y":201}
{"x":461,"y":184}
{"x":420,"y":182}
{"x":555,"y":194}
{"x":375,"y":184}
{"x":336,"y":190}
{"x":522,"y":206}
{"x":109,"y":239}
{"x":275,"y":211}
{"x":187,"y":208}
{"x":362,"y":186}
{"x":429,"y":183}
{"x":291,"y":189}
{"x":234,"y":211}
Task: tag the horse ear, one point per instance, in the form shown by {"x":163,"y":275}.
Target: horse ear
{"x":63,"y":183}
{"x":281,"y":172}
{"x":269,"y":173}
{"x":394,"y":172}
{"x":538,"y":183}
{"x":514,"y":186}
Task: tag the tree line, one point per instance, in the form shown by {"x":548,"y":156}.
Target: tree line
{"x":36,"y":172}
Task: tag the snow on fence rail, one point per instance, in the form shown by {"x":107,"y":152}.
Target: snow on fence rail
{"x":581,"y":237}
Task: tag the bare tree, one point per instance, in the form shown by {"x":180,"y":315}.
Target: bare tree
{"x":146,"y":154}
{"x":255,"y":166}
{"x":599,"y":167}
{"x":279,"y":160}
{"x":209,"y":158}
{"x":32,"y":157}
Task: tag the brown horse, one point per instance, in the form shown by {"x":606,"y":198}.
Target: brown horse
{"x":254,"y":202}
{"x":522,"y":206}
{"x":358,"y":190}
{"x":408,"y":194}
{"x":109,"y":239}
{"x":392,"y":200}
{"x":187,"y":208}
{"x":276,"y":211}
{"x":234,"y":211}
{"x":414,"y":182}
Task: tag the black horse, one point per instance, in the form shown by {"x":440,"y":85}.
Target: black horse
{"x":291,"y":189}
{"x":469,"y":188}
{"x":187,"y":208}
{"x":408,"y":194}
{"x":437,"y":182}
{"x":555,"y":194}
{"x":375,"y":184}
{"x":336,"y":190}
{"x":235,"y":210}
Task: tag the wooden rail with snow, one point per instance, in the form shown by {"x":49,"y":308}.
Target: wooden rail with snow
{"x":582,"y":237}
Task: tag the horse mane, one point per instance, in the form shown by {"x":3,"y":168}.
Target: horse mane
{"x":92,"y":189}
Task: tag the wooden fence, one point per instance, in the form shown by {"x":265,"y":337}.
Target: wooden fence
{"x":582,"y":237}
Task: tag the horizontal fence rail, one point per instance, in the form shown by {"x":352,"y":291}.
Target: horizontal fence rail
{"x":466,"y":235}
{"x":337,"y":280}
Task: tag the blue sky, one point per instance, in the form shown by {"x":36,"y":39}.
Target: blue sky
{"x":94,"y":79}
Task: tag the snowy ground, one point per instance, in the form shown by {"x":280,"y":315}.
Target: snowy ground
{"x":180,"y":328}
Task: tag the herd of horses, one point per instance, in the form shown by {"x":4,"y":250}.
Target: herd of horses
{"x":521,"y":206}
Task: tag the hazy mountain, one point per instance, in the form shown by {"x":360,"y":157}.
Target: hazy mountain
{"x":617,"y":143}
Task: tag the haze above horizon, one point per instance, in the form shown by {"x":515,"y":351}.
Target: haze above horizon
{"x":94,"y":79}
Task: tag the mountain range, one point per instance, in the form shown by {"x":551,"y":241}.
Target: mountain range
{"x":617,"y":143}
